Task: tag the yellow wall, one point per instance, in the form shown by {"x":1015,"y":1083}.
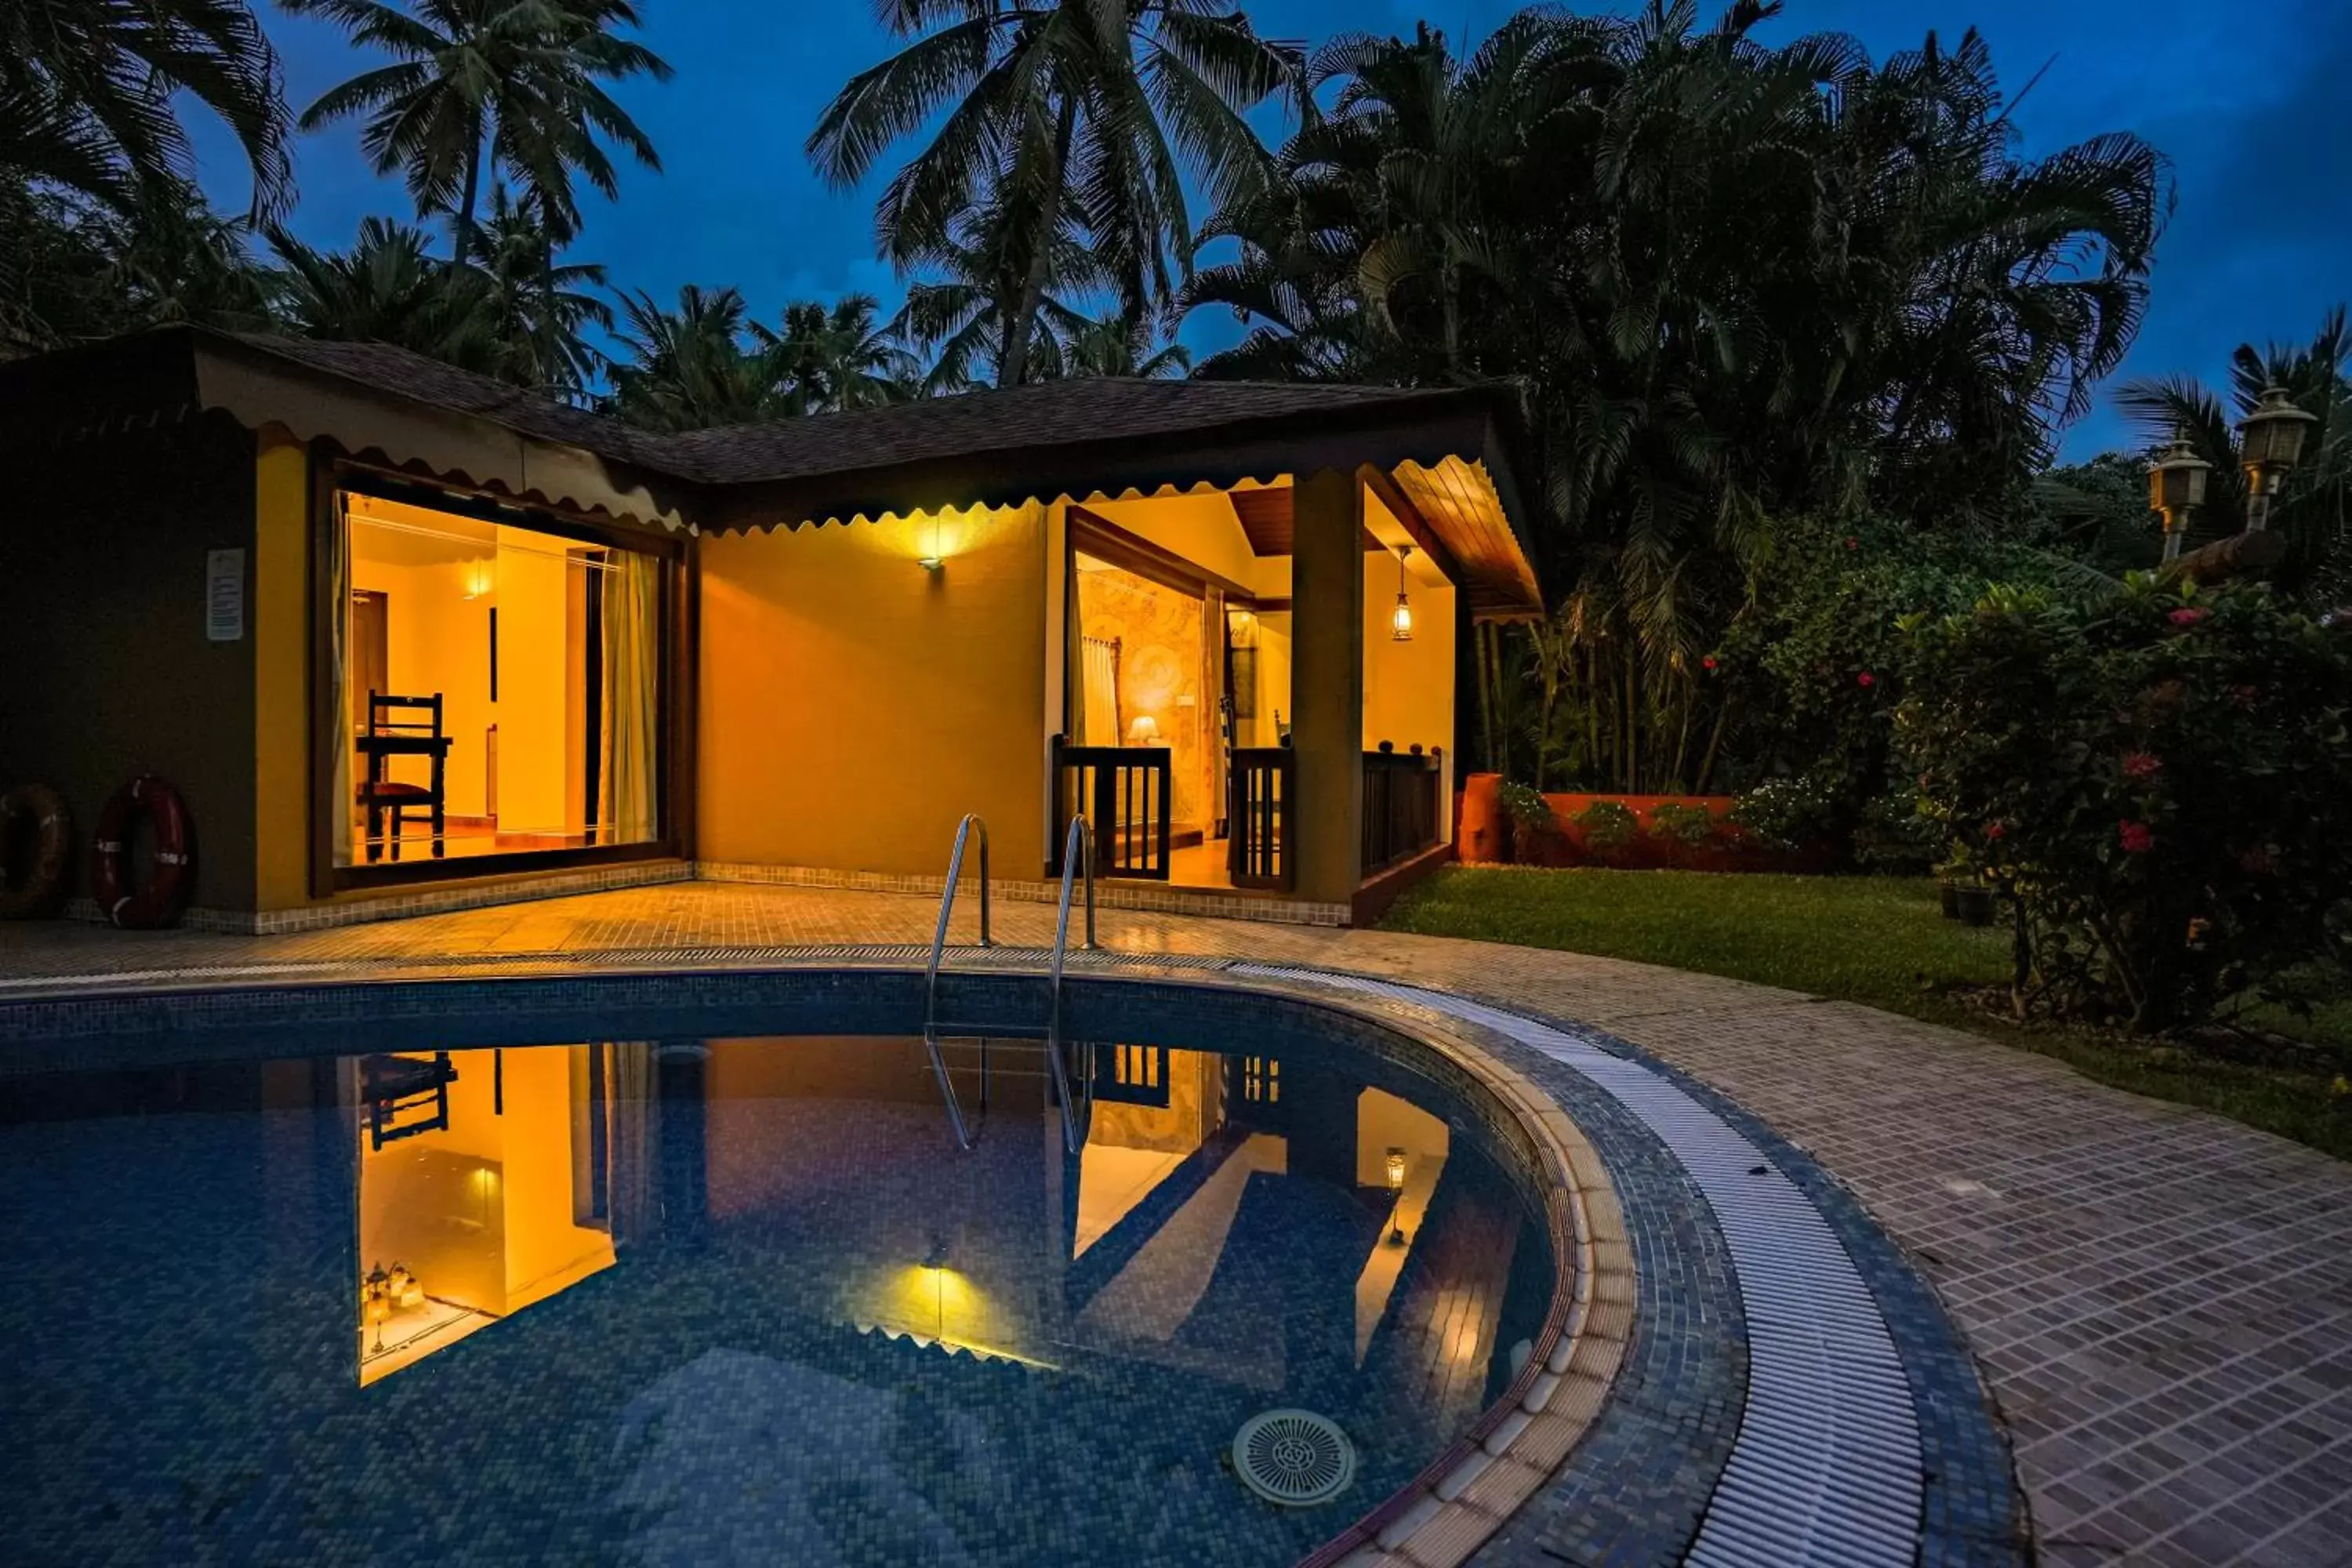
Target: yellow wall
{"x":1203,"y":530}
{"x":532,"y":711}
{"x":481,"y":1211}
{"x":281,"y":674}
{"x":435,"y":639}
{"x":1273,"y":705}
{"x":854,"y":705}
{"x":1408,"y":686}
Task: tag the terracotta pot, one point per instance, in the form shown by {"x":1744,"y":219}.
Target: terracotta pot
{"x":1486,"y":833}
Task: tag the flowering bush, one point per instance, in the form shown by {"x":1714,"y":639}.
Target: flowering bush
{"x":2164,"y":785}
{"x":1608,"y":826}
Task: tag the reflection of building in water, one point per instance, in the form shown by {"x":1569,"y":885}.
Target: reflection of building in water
{"x":487,"y":1182}
{"x":1241,"y":1218}
{"x":712,"y":1252}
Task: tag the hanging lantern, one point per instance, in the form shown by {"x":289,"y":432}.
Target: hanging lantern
{"x":1401,"y":622}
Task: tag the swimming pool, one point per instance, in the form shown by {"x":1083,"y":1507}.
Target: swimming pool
{"x":540,"y":1275}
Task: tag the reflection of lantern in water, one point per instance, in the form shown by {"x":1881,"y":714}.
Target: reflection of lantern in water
{"x":375,"y":1302}
{"x":1396,"y":1192}
{"x":401,"y":1289}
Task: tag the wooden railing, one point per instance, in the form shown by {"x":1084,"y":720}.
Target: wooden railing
{"x":1124,"y":793}
{"x":1259,"y":852}
{"x":1400,"y":792}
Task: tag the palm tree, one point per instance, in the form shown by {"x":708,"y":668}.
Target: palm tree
{"x":86,"y":91}
{"x":839,"y":358}
{"x":537,"y":311}
{"x":1084,"y":111}
{"x":2315,"y":509}
{"x":1115,"y":346}
{"x":689,"y":369}
{"x":1740,"y":282}
{"x":976,"y":278}
{"x":514,"y":80}
{"x":388,"y":289}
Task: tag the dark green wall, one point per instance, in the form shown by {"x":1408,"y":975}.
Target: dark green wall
{"x":105,"y":672}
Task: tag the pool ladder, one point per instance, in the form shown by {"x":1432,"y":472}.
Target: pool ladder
{"x":1078,"y":850}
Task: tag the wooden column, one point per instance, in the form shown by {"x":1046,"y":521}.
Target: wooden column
{"x":1326,"y":682}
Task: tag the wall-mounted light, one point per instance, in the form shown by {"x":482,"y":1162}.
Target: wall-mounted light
{"x":481,"y":578}
{"x":1395,"y":1171}
{"x":931,"y":562}
{"x":1144,"y":732}
{"x":1400,"y":621}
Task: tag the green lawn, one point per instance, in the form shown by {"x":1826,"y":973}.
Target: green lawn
{"x":1875,"y":939}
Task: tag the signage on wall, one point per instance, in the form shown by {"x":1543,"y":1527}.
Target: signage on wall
{"x":224,"y":596}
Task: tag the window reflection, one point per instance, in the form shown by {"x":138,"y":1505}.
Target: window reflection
{"x":484,"y":1186}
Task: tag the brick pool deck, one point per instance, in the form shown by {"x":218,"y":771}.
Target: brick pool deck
{"x":2160,"y":1300}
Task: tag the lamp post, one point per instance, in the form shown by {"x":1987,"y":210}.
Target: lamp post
{"x":2176,"y":487}
{"x":1394,"y":1169}
{"x":2269,"y":440}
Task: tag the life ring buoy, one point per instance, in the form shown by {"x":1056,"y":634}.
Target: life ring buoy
{"x":35,"y":889}
{"x":158,"y":903}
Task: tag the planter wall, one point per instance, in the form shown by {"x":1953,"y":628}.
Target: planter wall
{"x":1483,"y":834}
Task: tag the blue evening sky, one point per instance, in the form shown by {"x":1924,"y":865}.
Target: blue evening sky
{"x":2245,"y":98}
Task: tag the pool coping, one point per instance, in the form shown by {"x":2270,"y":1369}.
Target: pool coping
{"x":1519,"y":1448}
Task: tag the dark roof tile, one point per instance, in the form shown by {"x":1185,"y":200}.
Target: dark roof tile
{"x":1046,"y":413}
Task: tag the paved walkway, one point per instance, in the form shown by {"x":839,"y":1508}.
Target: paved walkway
{"x":2161,"y":1301}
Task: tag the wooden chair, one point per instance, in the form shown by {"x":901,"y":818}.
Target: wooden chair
{"x":387,"y":738}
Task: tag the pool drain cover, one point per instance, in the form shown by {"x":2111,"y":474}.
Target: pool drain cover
{"x":1293,"y":1457}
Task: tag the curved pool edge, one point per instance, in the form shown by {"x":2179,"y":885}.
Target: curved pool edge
{"x":1458,"y":1505}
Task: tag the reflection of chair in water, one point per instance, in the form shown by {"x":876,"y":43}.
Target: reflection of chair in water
{"x":395,"y":1086}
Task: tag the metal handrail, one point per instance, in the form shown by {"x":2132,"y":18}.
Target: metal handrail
{"x":1079,"y":844}
{"x":946,"y":907}
{"x":931,"y":974}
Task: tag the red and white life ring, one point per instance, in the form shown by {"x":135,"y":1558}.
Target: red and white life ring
{"x":158,"y":903}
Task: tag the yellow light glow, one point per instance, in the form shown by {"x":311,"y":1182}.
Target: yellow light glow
{"x":1396,"y":1170}
{"x":936,"y":1301}
{"x":481,"y":578}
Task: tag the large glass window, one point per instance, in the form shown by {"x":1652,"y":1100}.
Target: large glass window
{"x":499,"y":687}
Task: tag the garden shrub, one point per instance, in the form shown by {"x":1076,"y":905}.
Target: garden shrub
{"x":2162,"y":781}
{"x":1816,"y":666}
{"x":1608,"y":826}
{"x":1681,"y":828}
{"x":1788,"y":813}
{"x":1530,"y":817}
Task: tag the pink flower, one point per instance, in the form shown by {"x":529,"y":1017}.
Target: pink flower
{"x":1852,"y":542}
{"x":2138,"y":838}
{"x":2141,"y":765}
{"x":1865,"y":679}
{"x":2187,"y":616}
{"x":1996,"y":830}
{"x":1707,"y":662}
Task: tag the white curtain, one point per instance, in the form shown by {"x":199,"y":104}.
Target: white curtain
{"x":1099,"y":692}
{"x":336,"y":550}
{"x":625,"y":797}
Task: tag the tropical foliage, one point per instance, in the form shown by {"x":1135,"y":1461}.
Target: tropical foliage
{"x":2162,"y":781}
{"x":1740,"y":283}
{"x":2314,"y":510}
{"x":1077,"y":117}
{"x":515,"y":82}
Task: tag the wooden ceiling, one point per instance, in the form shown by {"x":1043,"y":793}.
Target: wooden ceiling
{"x":1456,"y":502}
{"x":1451,"y":509}
{"x":1265,"y":518}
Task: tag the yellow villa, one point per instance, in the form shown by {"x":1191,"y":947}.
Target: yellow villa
{"x":401,"y":637}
